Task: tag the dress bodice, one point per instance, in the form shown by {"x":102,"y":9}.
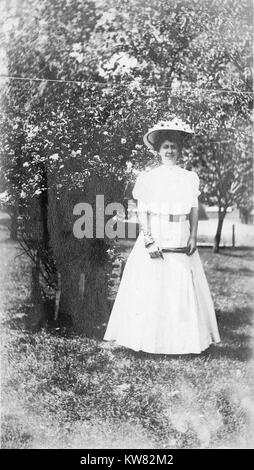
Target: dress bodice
{"x":167,"y":189}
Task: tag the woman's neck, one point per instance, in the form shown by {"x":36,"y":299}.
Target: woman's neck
{"x":170,"y":165}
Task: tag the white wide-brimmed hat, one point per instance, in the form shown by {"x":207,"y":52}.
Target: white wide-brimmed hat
{"x":175,"y":125}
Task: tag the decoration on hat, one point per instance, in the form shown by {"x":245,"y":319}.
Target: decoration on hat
{"x":174,"y":125}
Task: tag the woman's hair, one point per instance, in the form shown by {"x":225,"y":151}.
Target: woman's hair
{"x":163,"y":135}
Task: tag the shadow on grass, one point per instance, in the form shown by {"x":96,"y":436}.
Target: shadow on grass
{"x":235,"y":330}
{"x":244,"y":252}
{"x":235,"y":341}
{"x":234,"y":326}
{"x":237,"y":271}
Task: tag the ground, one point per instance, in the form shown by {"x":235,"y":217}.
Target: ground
{"x":67,"y":391}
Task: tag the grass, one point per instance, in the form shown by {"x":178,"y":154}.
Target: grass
{"x":66,"y":391}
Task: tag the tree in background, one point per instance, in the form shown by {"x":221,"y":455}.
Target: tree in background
{"x":199,"y":61}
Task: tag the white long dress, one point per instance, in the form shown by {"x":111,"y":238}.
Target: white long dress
{"x":164,"y":306}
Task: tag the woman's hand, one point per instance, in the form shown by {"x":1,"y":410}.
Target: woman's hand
{"x":191,"y":245}
{"x":154,"y":251}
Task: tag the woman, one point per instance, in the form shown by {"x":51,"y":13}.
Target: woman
{"x":163,"y":304}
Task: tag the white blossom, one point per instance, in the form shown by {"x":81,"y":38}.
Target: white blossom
{"x":37,"y":192}
{"x":54,"y":157}
{"x":4,"y":197}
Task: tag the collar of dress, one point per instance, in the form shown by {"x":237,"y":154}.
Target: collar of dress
{"x":164,"y":166}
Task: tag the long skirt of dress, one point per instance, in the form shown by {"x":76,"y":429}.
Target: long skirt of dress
{"x":163,"y":306}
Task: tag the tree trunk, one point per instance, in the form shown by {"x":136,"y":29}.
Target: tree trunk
{"x":43,"y":199}
{"x":217,"y":238}
{"x":14,"y":223}
{"x":82,"y":265}
{"x":37,"y":316}
{"x":84,"y":298}
{"x":244,"y":216}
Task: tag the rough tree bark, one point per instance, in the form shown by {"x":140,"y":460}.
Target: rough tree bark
{"x":37,"y":317}
{"x":81,"y":264}
{"x":84,"y":293}
{"x":40,"y":315}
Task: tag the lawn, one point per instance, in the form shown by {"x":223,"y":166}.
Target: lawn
{"x":66,"y":391}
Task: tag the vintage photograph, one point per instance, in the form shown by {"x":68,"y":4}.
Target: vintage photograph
{"x":126,"y":224}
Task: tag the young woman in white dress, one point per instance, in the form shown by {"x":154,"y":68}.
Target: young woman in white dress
{"x":163,"y":304}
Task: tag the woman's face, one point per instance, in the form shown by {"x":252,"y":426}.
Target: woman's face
{"x":169,"y":152}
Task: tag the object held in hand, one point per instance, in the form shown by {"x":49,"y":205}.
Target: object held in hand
{"x":148,"y":239}
{"x":183,"y":249}
{"x":155,"y":252}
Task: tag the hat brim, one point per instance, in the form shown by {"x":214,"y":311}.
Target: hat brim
{"x":150,"y":136}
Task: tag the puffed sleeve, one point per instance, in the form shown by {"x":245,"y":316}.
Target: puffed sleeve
{"x":195,"y":189}
{"x":139,"y":191}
